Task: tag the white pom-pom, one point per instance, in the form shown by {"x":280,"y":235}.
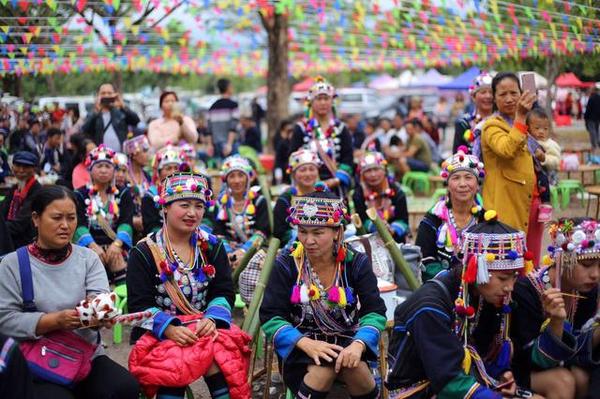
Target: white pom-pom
{"x":560,"y":239}
{"x":87,"y":201}
{"x":156,"y":198}
{"x":578,"y":237}
{"x":597,"y":235}
{"x":570,"y":246}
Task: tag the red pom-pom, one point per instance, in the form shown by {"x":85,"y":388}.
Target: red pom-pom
{"x":209,"y":270}
{"x":341,"y":255}
{"x":528,"y":255}
{"x":470,"y":274}
{"x":470,"y":311}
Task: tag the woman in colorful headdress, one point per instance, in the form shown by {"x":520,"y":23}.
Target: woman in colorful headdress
{"x":323,"y":133}
{"x":547,"y":311}
{"x":137,"y":149}
{"x":241,"y":216}
{"x":181,"y":275}
{"x":377,"y":191}
{"x":451,"y":337}
{"x":440,"y":231}
{"x":303,"y":169}
{"x":105,"y":214}
{"x":310,"y":309}
{"x":167,"y":161}
{"x":468,"y":127}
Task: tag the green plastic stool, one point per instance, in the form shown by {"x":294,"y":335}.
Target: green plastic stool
{"x":566,"y":188}
{"x":554,"y":197}
{"x":417,"y":181}
{"x":239,"y":303}
{"x":120,"y":304}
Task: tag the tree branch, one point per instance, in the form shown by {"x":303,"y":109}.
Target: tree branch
{"x":175,"y":7}
{"x":91,"y":23}
{"x":144,"y":15}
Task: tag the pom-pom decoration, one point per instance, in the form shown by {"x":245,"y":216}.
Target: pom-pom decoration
{"x":490,"y":215}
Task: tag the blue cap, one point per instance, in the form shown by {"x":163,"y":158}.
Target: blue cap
{"x":25,"y":158}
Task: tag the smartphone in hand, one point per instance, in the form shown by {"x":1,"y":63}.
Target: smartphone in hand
{"x":528,"y":82}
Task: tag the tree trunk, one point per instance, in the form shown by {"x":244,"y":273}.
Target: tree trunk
{"x":51,"y":85}
{"x":278,"y":89}
{"x":554,"y":65}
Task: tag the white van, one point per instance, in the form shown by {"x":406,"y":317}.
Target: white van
{"x":85,"y":104}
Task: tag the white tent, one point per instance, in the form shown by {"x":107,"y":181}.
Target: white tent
{"x":432,"y":78}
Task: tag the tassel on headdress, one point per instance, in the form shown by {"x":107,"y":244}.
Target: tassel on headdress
{"x":470,"y":274}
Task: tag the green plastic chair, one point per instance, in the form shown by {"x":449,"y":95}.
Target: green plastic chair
{"x":120,"y":304}
{"x":417,"y":181}
{"x":554,"y":197}
{"x":566,"y":188}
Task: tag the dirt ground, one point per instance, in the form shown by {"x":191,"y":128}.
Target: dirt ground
{"x":120,"y":352}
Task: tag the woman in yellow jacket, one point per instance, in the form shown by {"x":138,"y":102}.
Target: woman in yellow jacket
{"x":510,"y":182}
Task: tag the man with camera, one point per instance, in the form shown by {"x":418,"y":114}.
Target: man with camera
{"x":110,"y":121}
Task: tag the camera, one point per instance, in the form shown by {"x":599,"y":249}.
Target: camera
{"x":107,"y":101}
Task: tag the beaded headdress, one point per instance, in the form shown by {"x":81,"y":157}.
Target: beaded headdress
{"x":321,"y":86}
{"x":312,"y":210}
{"x":371,"y":159}
{"x":100,"y":154}
{"x":492,"y":245}
{"x":236,"y":162}
{"x":481,"y":81}
{"x":189,"y":152}
{"x":572,"y":242}
{"x":185,"y":185}
{"x":462,"y":161}
{"x":167,"y":155}
{"x":121,"y":160}
{"x":136,"y":144}
{"x":302,"y":157}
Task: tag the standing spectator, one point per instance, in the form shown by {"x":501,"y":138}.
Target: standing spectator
{"x":258,"y":113}
{"x":110,"y":121}
{"x":173,"y":127}
{"x":352,"y":122}
{"x":57,"y":114}
{"x":458,"y":107}
{"x":26,"y":136}
{"x":16,"y":208}
{"x":510,"y":183}
{"x":465,"y":125}
{"x":431,"y":128}
{"x":282,"y":143}
{"x":81,"y":174}
{"x":55,"y":158}
{"x":250,"y":133}
{"x":223,"y":118}
{"x":592,"y":117}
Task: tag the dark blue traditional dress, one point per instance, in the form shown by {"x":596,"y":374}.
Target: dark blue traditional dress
{"x":329,"y":314}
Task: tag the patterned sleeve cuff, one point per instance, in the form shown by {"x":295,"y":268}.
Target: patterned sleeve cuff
{"x":548,"y":350}
{"x":285,"y":340}
{"x":344,"y":177}
{"x":161,"y":321}
{"x":369,"y":335}
{"x":125,"y":237}
{"x":219,"y":311}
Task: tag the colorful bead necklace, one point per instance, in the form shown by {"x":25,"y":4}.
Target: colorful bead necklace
{"x":96,"y":207}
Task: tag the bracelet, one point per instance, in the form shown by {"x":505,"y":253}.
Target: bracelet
{"x":521,"y":126}
{"x":118,"y":243}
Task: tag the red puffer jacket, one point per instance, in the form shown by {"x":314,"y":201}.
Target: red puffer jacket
{"x":164,"y":363}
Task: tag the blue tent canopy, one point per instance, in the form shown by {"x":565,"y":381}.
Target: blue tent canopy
{"x":463,"y":81}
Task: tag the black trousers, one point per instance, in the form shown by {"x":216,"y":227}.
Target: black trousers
{"x":15,"y":379}
{"x":107,"y":380}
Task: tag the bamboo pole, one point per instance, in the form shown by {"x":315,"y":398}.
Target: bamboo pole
{"x":245,"y":260}
{"x":262,"y":283}
{"x":357,"y":222}
{"x":266,"y":192}
{"x":393,"y":249}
